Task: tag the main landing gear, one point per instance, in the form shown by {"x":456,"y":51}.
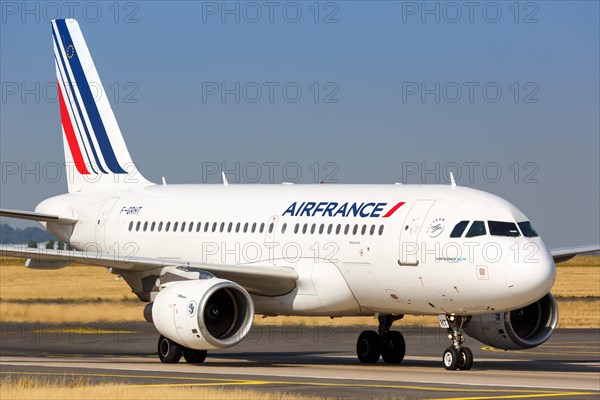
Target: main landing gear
{"x":389,"y":345}
{"x":170,"y":352}
{"x":456,"y":356}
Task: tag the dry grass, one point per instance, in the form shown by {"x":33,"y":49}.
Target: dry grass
{"x":578,"y":313}
{"x":578,"y":277}
{"x":71,"y":312}
{"x":69,"y":389}
{"x":91,"y":294}
{"x":74,"y":282}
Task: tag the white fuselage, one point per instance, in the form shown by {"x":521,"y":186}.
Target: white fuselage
{"x":361,"y":259}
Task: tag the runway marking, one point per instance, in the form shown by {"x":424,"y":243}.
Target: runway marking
{"x":562,"y":353}
{"x":526,"y":396}
{"x":81,"y":331}
{"x":233,"y":382}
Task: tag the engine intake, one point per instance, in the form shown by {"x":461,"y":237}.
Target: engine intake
{"x":523,"y":328}
{"x":202,"y":314}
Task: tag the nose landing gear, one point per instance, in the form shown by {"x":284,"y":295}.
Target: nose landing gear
{"x":389,"y":345}
{"x":456,"y":356}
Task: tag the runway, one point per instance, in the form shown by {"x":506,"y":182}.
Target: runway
{"x":314,"y":360}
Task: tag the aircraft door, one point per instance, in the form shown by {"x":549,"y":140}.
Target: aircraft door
{"x":409,"y":238}
{"x":101,"y":222}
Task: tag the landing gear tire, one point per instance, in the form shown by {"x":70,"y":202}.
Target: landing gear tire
{"x":169,"y":352}
{"x":466,"y":360}
{"x":194,"y":356}
{"x":394,"y":348}
{"x":368,"y":347}
{"x":451,"y":358}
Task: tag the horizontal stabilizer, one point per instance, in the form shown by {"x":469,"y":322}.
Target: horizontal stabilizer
{"x":34,"y":216}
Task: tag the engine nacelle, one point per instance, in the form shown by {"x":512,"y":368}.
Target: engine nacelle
{"x":203,"y":314}
{"x":519,"y":329}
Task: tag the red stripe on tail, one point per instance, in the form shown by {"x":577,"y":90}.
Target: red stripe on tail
{"x":70,"y":134}
{"x":393,"y":210}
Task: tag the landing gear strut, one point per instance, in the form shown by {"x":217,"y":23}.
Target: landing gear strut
{"x":457,"y":356}
{"x":170,"y":352}
{"x":389,"y":345}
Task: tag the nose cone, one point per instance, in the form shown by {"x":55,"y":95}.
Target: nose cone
{"x":532,"y":276}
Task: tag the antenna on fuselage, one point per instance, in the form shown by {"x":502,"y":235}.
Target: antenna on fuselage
{"x":164,"y":181}
{"x":224,"y":179}
{"x":452,"y":181}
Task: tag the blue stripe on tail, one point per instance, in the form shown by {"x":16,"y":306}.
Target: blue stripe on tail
{"x":70,"y":85}
{"x":89,"y":103}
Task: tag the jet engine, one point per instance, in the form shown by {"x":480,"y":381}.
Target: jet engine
{"x":523,"y":328}
{"x":202,"y":314}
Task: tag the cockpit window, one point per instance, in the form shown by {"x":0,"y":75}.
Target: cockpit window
{"x":459,"y":229}
{"x":498,"y":228}
{"x":527,"y":229}
{"x":477,"y":229}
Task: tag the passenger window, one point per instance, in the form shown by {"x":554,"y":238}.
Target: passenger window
{"x":304,"y":228}
{"x":191,"y":226}
{"x":329,"y":229}
{"x":152,"y":226}
{"x":372,"y":232}
{"x":130,"y":226}
{"x":206,"y":226}
{"x":312,"y":228}
{"x":137,"y":226}
{"x":338,"y":229}
{"x":498,"y":228}
{"x":380,"y":230}
{"x":230,"y":227}
{"x":254,"y":227}
{"x":262,"y":227}
{"x":168,"y":226}
{"x":355,"y":229}
{"x":321,"y":229}
{"x":283,"y":228}
{"x":222,"y":227}
{"x":237,"y":227}
{"x":296,"y":228}
{"x":145,"y":226}
{"x":214,"y":227}
{"x":182,"y":226}
{"x":198,"y":226}
{"x":271,"y":226}
{"x":175,"y":225}
{"x":160,"y":225}
{"x":476,"y":229}
{"x":245,"y":227}
{"x":527,"y":229}
{"x":346,"y":229}
{"x":459,"y":229}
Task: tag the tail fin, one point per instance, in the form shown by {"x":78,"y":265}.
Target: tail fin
{"x":95,"y":152}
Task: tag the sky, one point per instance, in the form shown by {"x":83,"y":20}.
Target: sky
{"x":503,"y":94}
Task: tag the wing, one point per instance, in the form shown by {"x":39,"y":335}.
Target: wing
{"x":259,"y":279}
{"x":566,"y":253}
{"x":33,"y":216}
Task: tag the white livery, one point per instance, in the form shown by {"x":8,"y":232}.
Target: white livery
{"x":207,"y":258}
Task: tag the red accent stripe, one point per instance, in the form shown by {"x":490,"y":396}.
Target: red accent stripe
{"x":393,"y":210}
{"x":70,"y":134}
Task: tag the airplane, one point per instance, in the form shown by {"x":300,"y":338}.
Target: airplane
{"x":207,"y":258}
